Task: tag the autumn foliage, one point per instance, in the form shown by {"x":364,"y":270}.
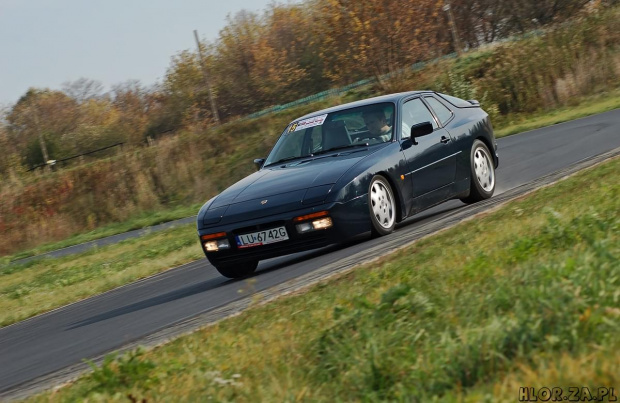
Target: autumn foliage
{"x":173,"y":153}
{"x":260,"y":60}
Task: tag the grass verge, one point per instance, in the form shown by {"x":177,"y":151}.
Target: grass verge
{"x":39,"y":286}
{"x":525,"y":296}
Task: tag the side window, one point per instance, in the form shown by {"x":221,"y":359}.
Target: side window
{"x":415,"y":112}
{"x":458,"y":102}
{"x":443,"y":113}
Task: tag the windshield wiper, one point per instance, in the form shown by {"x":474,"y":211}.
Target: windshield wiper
{"x":329,"y":150}
{"x":317,"y":153}
{"x":287,"y":159}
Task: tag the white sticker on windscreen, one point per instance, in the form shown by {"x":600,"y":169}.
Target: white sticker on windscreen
{"x":310,"y":122}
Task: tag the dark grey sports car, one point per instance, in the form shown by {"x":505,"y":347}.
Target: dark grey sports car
{"x":352,"y":169}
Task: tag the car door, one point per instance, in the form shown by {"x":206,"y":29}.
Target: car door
{"x":431,"y":161}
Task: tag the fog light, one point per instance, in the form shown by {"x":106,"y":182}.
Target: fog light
{"x":305,"y":227}
{"x":211,"y":246}
{"x":323,"y":223}
{"x":214,"y":246}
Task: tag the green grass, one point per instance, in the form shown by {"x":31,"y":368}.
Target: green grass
{"x":525,"y":296}
{"x":31,"y":288}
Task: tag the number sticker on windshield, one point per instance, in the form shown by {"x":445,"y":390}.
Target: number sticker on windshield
{"x":310,"y":122}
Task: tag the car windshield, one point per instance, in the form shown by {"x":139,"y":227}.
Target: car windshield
{"x":323,"y":133}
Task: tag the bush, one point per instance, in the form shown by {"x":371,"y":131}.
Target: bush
{"x":122,"y":372}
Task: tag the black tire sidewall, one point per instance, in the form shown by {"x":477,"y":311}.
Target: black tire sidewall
{"x":238,"y":270}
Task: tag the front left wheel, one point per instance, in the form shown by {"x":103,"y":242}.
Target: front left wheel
{"x":237,"y":270}
{"x":382,"y":206}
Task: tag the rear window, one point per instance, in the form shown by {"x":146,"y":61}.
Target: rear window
{"x":456,"y":101}
{"x":443,"y":113}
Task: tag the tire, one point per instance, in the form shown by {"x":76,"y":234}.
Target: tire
{"x":482,"y":183}
{"x":382,"y":206}
{"x":238,"y":270}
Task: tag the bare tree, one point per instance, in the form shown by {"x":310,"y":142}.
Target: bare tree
{"x":83,"y":89}
{"x":42,"y":114}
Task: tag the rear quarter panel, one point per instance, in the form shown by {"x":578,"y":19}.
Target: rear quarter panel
{"x":468,"y":125}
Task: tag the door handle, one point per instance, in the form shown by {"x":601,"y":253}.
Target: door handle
{"x":444,"y":139}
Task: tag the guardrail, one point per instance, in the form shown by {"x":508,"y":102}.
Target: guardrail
{"x":337,"y":91}
{"x":414,"y":67}
{"x":64,"y":160}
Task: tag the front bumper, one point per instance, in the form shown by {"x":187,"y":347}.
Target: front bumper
{"x":349,"y":219}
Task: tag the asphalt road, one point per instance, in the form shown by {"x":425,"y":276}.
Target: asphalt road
{"x":87,"y":329}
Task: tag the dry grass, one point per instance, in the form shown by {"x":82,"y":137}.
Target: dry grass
{"x":592,"y":370}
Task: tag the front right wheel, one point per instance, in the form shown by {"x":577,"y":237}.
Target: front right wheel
{"x":482,"y":183}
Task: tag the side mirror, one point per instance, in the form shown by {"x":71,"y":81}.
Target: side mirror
{"x":407,"y":143}
{"x":259,"y":163}
{"x":474,"y":102}
{"x":421,"y":129}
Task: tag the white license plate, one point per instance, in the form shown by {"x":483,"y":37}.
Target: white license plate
{"x":262,"y":237}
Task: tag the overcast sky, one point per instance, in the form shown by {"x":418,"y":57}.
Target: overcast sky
{"x":44,"y":43}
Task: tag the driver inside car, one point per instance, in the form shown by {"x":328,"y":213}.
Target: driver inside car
{"x":378,"y":129}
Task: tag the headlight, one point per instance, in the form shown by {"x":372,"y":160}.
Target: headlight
{"x":317,"y":194}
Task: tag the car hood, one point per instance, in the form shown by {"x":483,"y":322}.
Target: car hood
{"x":286,"y":187}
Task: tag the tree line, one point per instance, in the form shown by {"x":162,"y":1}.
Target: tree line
{"x":527,"y":75}
{"x":287,"y":52}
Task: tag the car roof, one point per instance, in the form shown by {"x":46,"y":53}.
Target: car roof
{"x":369,"y":101}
